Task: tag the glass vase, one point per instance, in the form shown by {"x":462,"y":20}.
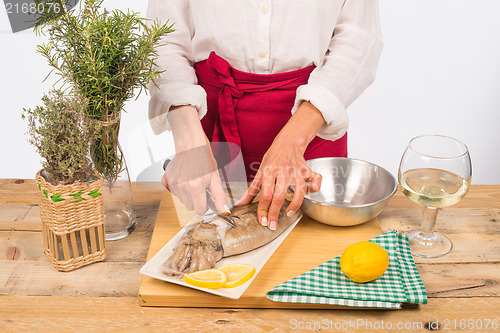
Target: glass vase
{"x":119,"y":207}
{"x":109,"y":161}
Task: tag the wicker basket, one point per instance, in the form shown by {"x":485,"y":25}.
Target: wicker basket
{"x":72,"y":222}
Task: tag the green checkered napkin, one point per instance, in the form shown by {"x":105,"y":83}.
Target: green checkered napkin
{"x":326,"y":284}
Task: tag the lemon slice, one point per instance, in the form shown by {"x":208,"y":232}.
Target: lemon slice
{"x":209,"y":278}
{"x":237,"y":274}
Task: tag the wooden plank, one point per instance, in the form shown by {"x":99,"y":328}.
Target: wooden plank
{"x":148,"y":195}
{"x":51,"y":314}
{"x":83,"y":238}
{"x":24,"y":245}
{"x":54,"y":247}
{"x":52,"y":251}
{"x":475,"y":234}
{"x":308,"y":245}
{"x":30,"y":272}
{"x":460,"y":280}
{"x":21,"y":277}
{"x":469,"y":248}
{"x":441,"y":281}
{"x":479,"y":197}
{"x":26,"y":217}
{"x":101,"y":236}
{"x":74,"y":245}
{"x":469,"y":229}
{"x":25,"y":191}
{"x":93,"y":243}
{"x":64,"y":242}
{"x":398,"y":215}
{"x":19,"y":216}
{"x":29,"y":246}
{"x":18,"y":191}
{"x":449,"y":221}
{"x":45,"y":236}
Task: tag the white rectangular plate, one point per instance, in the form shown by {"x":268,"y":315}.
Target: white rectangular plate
{"x":257,"y":258}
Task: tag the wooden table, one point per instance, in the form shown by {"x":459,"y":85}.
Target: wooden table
{"x":463,"y":287}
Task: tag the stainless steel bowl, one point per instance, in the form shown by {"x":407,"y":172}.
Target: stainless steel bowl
{"x":352,"y":191}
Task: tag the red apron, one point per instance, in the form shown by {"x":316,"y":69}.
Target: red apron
{"x":250,"y":109}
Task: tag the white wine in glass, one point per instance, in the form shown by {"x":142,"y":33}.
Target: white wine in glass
{"x":434,"y":172}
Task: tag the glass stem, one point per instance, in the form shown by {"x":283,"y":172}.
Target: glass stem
{"x":429,"y":217}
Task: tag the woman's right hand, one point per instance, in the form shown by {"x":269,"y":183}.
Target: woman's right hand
{"x":193,"y":170}
{"x":188,"y":176}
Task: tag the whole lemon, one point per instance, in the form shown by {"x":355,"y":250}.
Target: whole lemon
{"x":364,"y":261}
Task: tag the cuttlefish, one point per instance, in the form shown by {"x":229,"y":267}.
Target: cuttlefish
{"x":206,"y":242}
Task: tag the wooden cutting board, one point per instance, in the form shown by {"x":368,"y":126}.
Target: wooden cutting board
{"x":309,"y":245}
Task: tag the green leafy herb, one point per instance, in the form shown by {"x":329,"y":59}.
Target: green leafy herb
{"x":62,"y":133}
{"x":105,"y":56}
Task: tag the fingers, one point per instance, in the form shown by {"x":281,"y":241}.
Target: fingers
{"x":184,"y":195}
{"x":188,"y":177}
{"x":192,"y":194}
{"x":315,"y":180}
{"x":266,"y":197}
{"x":298,"y":196}
{"x":250,"y":194}
{"x":302,"y":189}
{"x":199,"y":199}
{"x":273,"y":184}
{"x":218,"y":193}
{"x":164,"y":180}
{"x":277,"y":201}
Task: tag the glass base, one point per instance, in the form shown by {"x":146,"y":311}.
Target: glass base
{"x":432,"y":246}
{"x":116,"y":219}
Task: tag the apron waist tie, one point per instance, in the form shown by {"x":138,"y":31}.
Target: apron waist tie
{"x":217,"y":72}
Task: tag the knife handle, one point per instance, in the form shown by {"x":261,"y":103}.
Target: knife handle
{"x":166,"y":163}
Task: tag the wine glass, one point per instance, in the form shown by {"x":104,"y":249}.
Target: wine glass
{"x":435,"y":172}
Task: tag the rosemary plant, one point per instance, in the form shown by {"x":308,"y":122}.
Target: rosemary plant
{"x":106,"y":56}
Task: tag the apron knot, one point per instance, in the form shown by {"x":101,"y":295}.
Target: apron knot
{"x":223,"y":70}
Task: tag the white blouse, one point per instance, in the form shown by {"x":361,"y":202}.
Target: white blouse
{"x":341,"y":37}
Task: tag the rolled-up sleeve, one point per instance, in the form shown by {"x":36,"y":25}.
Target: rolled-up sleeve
{"x":178,"y":83}
{"x":349,"y":67}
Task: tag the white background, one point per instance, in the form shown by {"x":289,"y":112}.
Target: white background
{"x":439,"y":74}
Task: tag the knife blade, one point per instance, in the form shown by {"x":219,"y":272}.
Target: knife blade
{"x":211,"y":205}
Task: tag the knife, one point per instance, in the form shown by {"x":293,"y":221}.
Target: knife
{"x":211,"y":203}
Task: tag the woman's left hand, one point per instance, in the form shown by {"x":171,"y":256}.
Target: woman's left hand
{"x":284,"y":165}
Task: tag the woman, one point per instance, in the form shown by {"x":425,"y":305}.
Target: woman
{"x":271,"y":76}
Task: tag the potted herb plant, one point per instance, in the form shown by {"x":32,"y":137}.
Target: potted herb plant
{"x":106,"y":56}
{"x":71,"y":204}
